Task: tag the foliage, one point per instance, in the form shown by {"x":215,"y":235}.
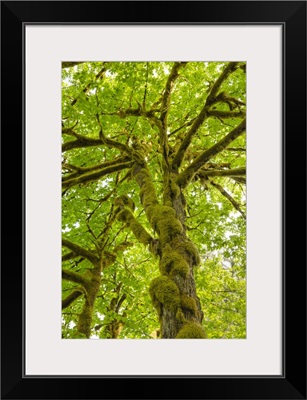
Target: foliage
{"x":136,"y":135}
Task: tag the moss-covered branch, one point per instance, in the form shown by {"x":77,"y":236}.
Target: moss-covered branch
{"x":177,"y":160}
{"x":185,"y":177}
{"x":73,"y":296}
{"x":74,"y":277}
{"x":112,"y":143}
{"x":82,"y":170}
{"x":229,"y":198}
{"x":166,"y":98}
{"x":81,"y":251}
{"x":148,"y":194}
{"x":82,"y":141}
{"x":230,"y":67}
{"x":226,"y":114}
{"x":222,"y":172}
{"x":67,"y":64}
{"x":126,"y":216}
{"x":69,"y":256}
{"x":93,"y":176}
{"x":205,"y":112}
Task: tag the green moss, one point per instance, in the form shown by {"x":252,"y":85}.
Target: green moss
{"x":151,"y":211}
{"x":168,"y":228}
{"x":124,"y":201}
{"x":175,"y":190}
{"x":192,"y":251}
{"x":168,"y":203}
{"x":148,"y":195}
{"x":161,"y":213}
{"x":173,"y":263}
{"x":142,"y":175}
{"x":123,"y":215}
{"x":189,"y":304}
{"x":109,"y":258}
{"x":164,"y":290}
{"x":191,"y":330}
{"x":139,"y":232}
{"x":180,"y":268}
{"x":180,"y":316}
{"x":185,"y":247}
{"x":167,"y":260}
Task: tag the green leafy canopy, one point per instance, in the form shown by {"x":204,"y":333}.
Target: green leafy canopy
{"x":187,"y":119}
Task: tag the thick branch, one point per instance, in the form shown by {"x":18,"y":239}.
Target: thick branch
{"x":186,"y":176}
{"x":93,"y":176}
{"x":228,"y":197}
{"x":73,"y":277}
{"x":222,"y":172}
{"x":226,"y":114}
{"x":84,"y":142}
{"x":81,"y":251}
{"x":67,"y":64}
{"x":113,"y":143}
{"x":69,"y":256}
{"x":224,"y":75}
{"x":177,"y":160}
{"x":125,"y":215}
{"x":71,"y":298}
{"x":80,"y":170}
{"x":166,"y":98}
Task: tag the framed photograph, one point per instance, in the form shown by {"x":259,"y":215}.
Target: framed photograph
{"x":163,"y":155}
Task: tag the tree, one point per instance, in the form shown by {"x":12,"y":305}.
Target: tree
{"x":153,"y":205}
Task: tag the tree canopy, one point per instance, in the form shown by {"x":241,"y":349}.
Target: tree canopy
{"x":153,"y":200}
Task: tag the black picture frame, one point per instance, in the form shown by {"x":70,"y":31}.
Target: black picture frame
{"x":292,"y":383}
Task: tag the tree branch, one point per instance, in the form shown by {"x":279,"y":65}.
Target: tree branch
{"x":185,"y":177}
{"x":81,"y":170}
{"x":110,"y":142}
{"x":93,"y":176}
{"x":224,"y":75}
{"x":69,"y":256}
{"x":125,"y":215}
{"x":81,"y":142}
{"x":74,"y":277}
{"x":71,"y":298}
{"x":81,"y":251}
{"x":222,"y":172}
{"x":177,"y":160}
{"x":67,"y":64}
{"x":166,"y":98}
{"x":226,"y":114}
{"x":228,"y":197}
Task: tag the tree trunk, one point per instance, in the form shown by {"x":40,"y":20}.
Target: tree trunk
{"x":173,"y":293}
{"x":92,"y":289}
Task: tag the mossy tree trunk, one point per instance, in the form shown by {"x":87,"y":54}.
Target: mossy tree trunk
{"x":92,"y":287}
{"x":174,"y":292}
{"x":89,"y":284}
